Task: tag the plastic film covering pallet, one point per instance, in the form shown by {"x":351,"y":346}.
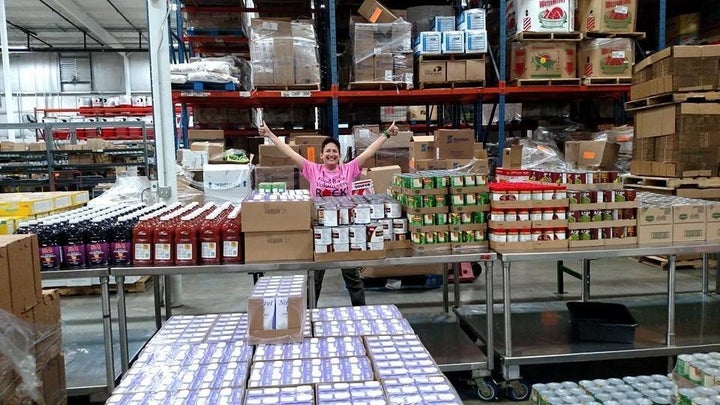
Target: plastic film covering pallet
{"x":283,"y":53}
{"x":382,"y":53}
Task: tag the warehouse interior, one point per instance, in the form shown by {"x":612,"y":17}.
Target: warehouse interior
{"x":548,"y":156}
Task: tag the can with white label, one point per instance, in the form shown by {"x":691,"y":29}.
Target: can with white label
{"x":340,"y":235}
{"x":358,"y":234}
{"x":323,"y":235}
{"x":393,"y":209}
{"x":361,"y":214}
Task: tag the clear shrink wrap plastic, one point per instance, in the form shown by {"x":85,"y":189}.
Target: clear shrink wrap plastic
{"x":541,"y":152}
{"x":22,"y":355}
{"x":215,"y":22}
{"x":283,"y":53}
{"x":223,"y":69}
{"x":623,"y":136}
{"x":382,"y":52}
{"x":127,"y":189}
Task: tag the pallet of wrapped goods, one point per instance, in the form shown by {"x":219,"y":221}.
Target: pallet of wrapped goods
{"x":606,"y":61}
{"x":382,"y":56}
{"x":451,"y":71}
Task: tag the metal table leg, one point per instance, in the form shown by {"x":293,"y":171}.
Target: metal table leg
{"x":107,"y":333}
{"x":122,"y":324}
{"x":705,"y":273}
{"x":506,"y":308}
{"x":456,"y":283}
{"x":446,"y":305}
{"x":671,"y":302}
{"x":168,"y":296}
{"x":157,"y":296}
{"x":489,"y":296}
{"x":311,"y":289}
{"x":585,"y":294}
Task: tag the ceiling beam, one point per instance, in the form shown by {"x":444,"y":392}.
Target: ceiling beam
{"x":70,"y":8}
{"x":29,"y":33}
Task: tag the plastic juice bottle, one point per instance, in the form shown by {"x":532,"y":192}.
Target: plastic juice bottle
{"x":186,"y":246}
{"x":209,"y":235}
{"x":50,"y":256}
{"x":230,"y":234}
{"x":120,"y":240}
{"x":164,"y":236}
{"x":142,"y":236}
{"x":97,"y":248}
{"x":73,"y":250}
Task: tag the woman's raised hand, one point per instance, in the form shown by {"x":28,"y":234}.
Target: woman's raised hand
{"x":393,"y":130}
{"x":263,"y":130}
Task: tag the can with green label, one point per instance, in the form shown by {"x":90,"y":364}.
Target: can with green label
{"x":478,"y":217}
{"x":415,"y":219}
{"x":417,"y":238}
{"x":441,"y":181}
{"x":442,"y":236}
{"x":430,"y":238}
{"x":454,"y":218}
{"x":457,"y":200}
{"x":428,"y":182}
{"x":428,"y":219}
{"x":429,"y":201}
{"x":416,"y":182}
{"x":483,"y":198}
{"x":479,"y":235}
{"x":465,"y":218}
{"x":468,"y":236}
{"x":415,"y":201}
{"x":440,"y":200}
{"x":454,"y":236}
{"x":457,"y":181}
{"x":441,"y":218}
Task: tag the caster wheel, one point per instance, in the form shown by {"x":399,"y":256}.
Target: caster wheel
{"x":487,"y":389}
{"x":518,"y":390}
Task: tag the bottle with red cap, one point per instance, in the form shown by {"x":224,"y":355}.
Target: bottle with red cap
{"x":230,"y":233}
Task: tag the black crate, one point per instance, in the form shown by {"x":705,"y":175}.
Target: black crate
{"x":602,"y":322}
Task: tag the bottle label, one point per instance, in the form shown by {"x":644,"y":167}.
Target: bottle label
{"x":230,"y":248}
{"x":184,"y":251}
{"x":74,"y":255}
{"x":97,"y":253}
{"x":142,"y":251}
{"x":208,"y":250}
{"x":50,"y":257}
{"x":121,"y":252}
{"x":162,"y":251}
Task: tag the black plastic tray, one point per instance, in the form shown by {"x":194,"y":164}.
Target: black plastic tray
{"x":602,"y":322}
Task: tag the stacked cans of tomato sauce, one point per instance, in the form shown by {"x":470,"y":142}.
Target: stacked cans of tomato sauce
{"x":357,"y":223}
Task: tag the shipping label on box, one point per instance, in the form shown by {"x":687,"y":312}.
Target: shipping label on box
{"x":542,"y":60}
{"x":606,"y":57}
{"x":540,"y":16}
{"x":607,"y":16}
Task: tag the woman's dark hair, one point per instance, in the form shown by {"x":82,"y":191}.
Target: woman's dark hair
{"x":332,"y":141}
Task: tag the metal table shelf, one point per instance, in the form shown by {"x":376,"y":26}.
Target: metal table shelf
{"x":104,"y":276}
{"x":511,"y":358}
{"x":394,"y":258}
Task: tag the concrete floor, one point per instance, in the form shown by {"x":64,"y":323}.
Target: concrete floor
{"x":82,"y":327}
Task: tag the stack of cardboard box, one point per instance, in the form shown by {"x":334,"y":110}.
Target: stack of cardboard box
{"x":25,"y":307}
{"x":668,"y":219}
{"x":283,"y":53}
{"x":395,"y":151}
{"x":382,"y":52}
{"x":448,"y":149}
{"x":675,"y":137}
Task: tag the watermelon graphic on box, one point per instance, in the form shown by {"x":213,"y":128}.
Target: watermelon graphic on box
{"x":539,"y":16}
{"x":542,"y":60}
{"x":606,"y":57}
{"x":607,"y":15}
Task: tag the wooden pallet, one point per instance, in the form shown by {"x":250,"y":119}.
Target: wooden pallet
{"x":661,"y":262}
{"x":452,"y":85}
{"x":547,"y":82}
{"x":547,"y":36}
{"x":671,"y":183}
{"x":604,"y":81}
{"x":379,"y":85}
{"x":671,"y":98}
{"x":139,"y":286}
{"x":288,"y":87}
{"x":593,"y":35}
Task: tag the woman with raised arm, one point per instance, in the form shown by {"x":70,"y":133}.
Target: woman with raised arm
{"x":332,"y":178}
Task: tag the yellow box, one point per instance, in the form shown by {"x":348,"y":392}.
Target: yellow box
{"x":27,"y":207}
{"x":80,"y":197}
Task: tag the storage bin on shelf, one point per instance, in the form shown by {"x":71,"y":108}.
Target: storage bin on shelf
{"x":528,"y":216}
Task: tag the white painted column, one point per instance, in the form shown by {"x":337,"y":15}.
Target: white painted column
{"x":163,"y":113}
{"x":7,"y":85}
{"x":126,"y":69}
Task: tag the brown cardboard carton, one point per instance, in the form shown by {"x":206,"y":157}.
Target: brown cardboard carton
{"x":47,"y":310}
{"x":423,"y":147}
{"x":270,"y":155}
{"x":655,"y":216}
{"x":290,"y":175}
{"x":455,"y":70}
{"x":542,"y":60}
{"x":19,"y":256}
{"x":206,"y":134}
{"x":607,"y":16}
{"x":383,"y":67}
{"x":455,"y":143}
{"x":512,"y":157}
{"x":432,"y":71}
{"x":53,"y":381}
{"x":296,"y":322}
{"x":688,"y":213}
{"x":690,"y":232}
{"x":381,"y":176}
{"x":214,"y":150}
{"x":712,"y":231}
{"x":393,"y":156}
{"x":376,"y":12}
{"x":419,"y":113}
{"x":283,"y":61}
{"x":429,"y":164}
{"x":272,"y":246}
{"x":475,"y":69}
{"x":268,"y":216}
{"x":592,"y":154}
{"x":310,"y":146}
{"x":606,"y":57}
{"x":655,"y":234}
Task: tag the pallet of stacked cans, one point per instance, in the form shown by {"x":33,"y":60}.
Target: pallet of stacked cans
{"x":356,"y":227}
{"x":438,"y":219}
{"x":602,"y":218}
{"x":528,"y":216}
{"x":697,"y":377}
{"x":641,"y":390}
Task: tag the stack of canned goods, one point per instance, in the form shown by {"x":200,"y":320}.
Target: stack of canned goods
{"x":700,"y":368}
{"x":578,"y":177}
{"x":527,"y":192}
{"x":438,"y":179}
{"x":698,"y":396}
{"x":357,"y":223}
{"x":601,"y":196}
{"x":640,"y":390}
{"x":272,"y":187}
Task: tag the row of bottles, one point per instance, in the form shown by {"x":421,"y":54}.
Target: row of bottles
{"x":86,"y":237}
{"x":188,"y":236}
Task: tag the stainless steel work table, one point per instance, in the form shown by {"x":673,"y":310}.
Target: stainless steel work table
{"x":104,"y":275}
{"x":544,"y":342}
{"x":394,"y":258}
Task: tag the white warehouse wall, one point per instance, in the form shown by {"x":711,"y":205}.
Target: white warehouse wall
{"x":36,"y":78}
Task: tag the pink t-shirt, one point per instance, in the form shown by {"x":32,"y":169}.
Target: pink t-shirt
{"x":324,"y":182}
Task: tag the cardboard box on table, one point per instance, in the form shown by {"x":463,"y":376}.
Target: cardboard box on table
{"x":277,"y":230}
{"x":20,"y":278}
